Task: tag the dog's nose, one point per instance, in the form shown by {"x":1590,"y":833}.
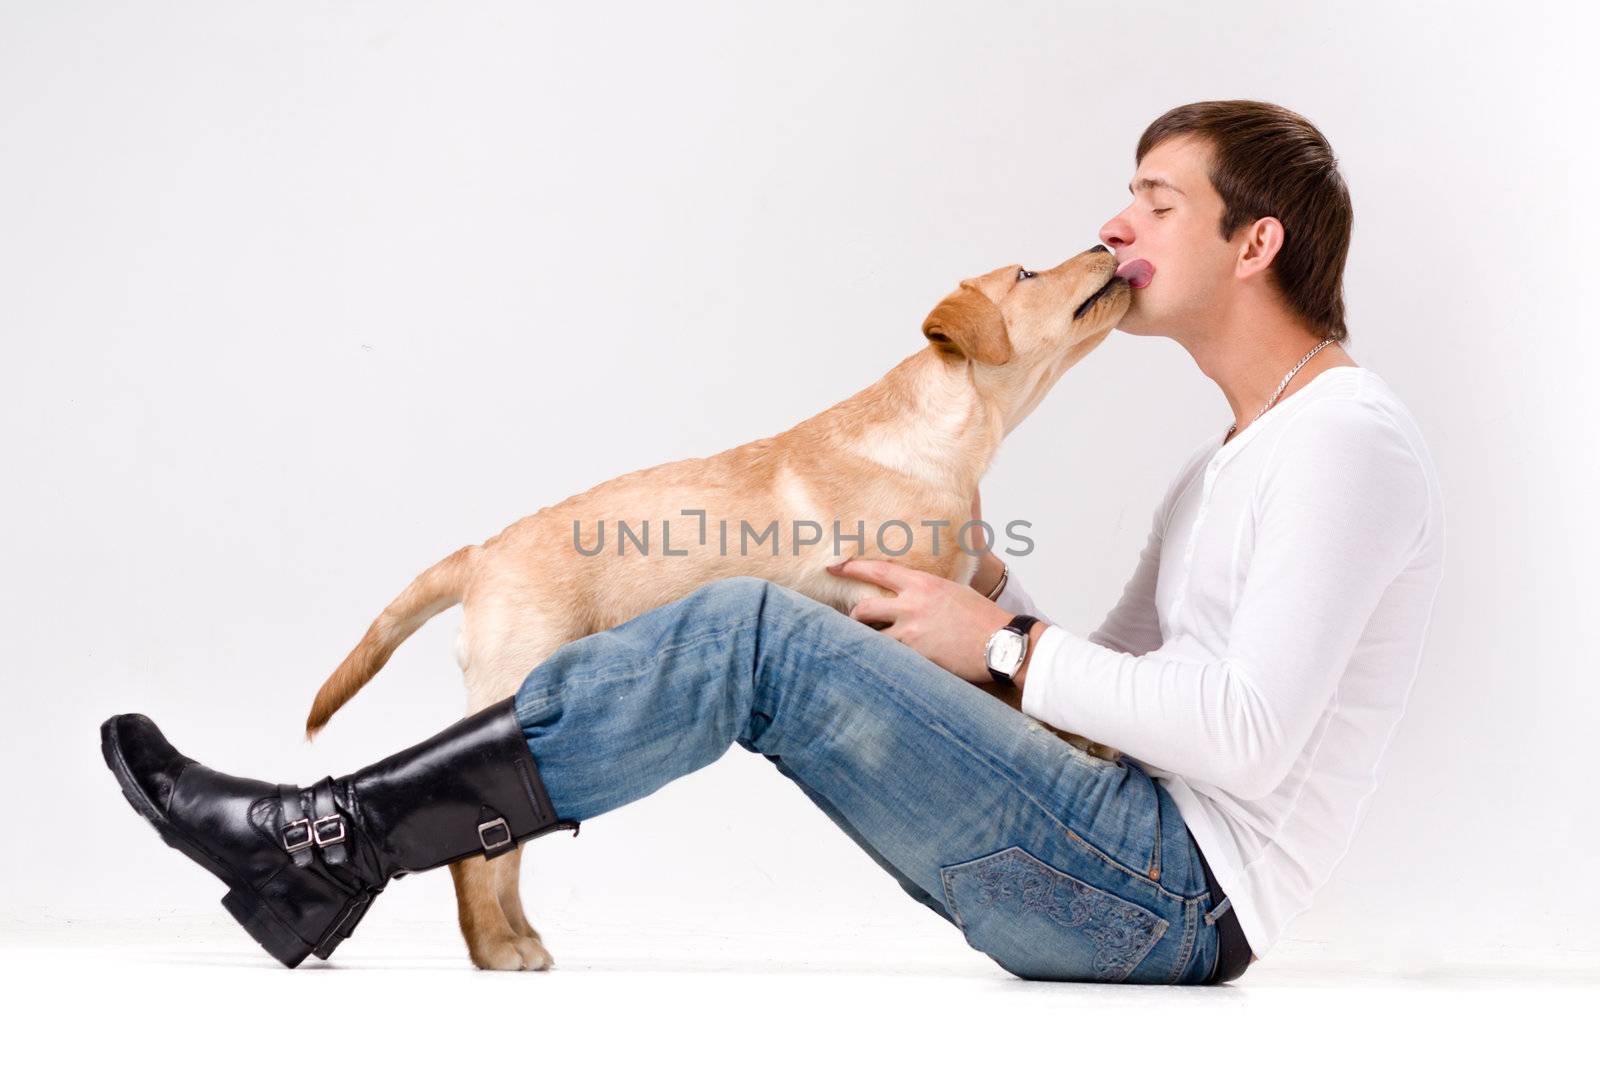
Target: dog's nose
{"x":1098,"y":248}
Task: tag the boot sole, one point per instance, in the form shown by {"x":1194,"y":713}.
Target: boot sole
{"x":242,"y":902}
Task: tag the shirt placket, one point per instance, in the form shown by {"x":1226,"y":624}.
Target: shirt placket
{"x":1206,"y":485}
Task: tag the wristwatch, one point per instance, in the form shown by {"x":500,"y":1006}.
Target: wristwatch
{"x":1007,"y":648}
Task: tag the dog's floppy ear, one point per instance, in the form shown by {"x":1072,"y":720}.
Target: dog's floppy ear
{"x":968,"y":324}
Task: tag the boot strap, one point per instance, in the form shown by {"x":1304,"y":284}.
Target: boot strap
{"x":494,"y":833}
{"x":323,"y":827}
{"x":296,"y":836}
{"x":329,"y":829}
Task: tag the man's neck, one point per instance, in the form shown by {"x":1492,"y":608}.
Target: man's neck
{"x":1248,"y":362}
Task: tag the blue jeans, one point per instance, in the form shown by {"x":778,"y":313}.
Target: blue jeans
{"x":1055,"y":863}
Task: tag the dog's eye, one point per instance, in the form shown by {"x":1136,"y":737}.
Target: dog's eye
{"x":1024,"y":273}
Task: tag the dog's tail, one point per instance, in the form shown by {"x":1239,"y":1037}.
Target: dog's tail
{"x":439,"y":587}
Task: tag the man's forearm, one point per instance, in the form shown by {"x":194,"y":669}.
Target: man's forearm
{"x":988,"y":573}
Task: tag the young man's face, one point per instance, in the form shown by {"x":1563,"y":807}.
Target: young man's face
{"x":1175,"y":227}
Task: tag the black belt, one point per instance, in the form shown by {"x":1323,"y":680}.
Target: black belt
{"x":1233,"y":951}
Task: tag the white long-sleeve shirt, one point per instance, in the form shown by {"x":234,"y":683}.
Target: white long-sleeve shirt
{"x":1263,"y":652}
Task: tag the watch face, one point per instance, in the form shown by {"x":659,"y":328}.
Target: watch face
{"x":1005,"y":652}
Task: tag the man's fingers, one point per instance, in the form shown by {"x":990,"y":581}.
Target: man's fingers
{"x":879,"y":572}
{"x":874,"y":609}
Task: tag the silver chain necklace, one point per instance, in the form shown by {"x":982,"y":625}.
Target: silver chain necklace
{"x":1283,"y":383}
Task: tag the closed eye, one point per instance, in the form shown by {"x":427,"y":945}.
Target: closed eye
{"x":1161,"y":211}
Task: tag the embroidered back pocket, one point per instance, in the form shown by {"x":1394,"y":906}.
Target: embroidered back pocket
{"x":1038,"y":922}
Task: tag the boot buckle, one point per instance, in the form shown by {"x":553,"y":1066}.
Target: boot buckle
{"x":494,"y":836}
{"x":328,"y":830}
{"x":297,"y":836}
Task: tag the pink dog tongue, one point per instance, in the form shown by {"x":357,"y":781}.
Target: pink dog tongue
{"x":1137,"y":271}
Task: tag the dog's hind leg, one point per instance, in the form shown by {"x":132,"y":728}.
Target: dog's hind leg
{"x":498,"y":934}
{"x":491,"y":941}
{"x":508,"y":884}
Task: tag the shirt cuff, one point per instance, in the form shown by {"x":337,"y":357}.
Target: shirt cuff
{"x":1037,"y":698}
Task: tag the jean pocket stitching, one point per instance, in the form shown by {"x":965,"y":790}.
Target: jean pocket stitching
{"x":1122,"y":933}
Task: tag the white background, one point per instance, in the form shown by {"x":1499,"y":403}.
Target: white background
{"x":297,"y":298}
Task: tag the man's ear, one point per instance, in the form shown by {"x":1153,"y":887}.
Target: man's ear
{"x":968,"y":324}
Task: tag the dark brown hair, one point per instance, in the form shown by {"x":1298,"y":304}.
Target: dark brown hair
{"x":1267,"y":160}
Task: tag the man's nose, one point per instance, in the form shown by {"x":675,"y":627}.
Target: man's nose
{"x":1112,"y":233}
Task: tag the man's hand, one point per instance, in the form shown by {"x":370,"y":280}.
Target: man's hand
{"x":945,"y":621}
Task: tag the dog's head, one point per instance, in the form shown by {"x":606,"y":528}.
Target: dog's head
{"x":1026,"y":323}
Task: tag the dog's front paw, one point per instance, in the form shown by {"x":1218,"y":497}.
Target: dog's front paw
{"x":511,"y":953}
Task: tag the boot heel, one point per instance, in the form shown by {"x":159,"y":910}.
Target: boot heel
{"x":270,"y":932}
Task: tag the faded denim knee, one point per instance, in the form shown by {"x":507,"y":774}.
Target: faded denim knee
{"x":739,"y":596}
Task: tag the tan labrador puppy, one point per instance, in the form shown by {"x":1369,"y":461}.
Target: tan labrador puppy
{"x":911,"y":447}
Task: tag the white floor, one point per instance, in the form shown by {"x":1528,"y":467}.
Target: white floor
{"x":192,"y":988}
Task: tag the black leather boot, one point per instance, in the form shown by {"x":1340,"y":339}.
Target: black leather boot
{"x":302,"y":865}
